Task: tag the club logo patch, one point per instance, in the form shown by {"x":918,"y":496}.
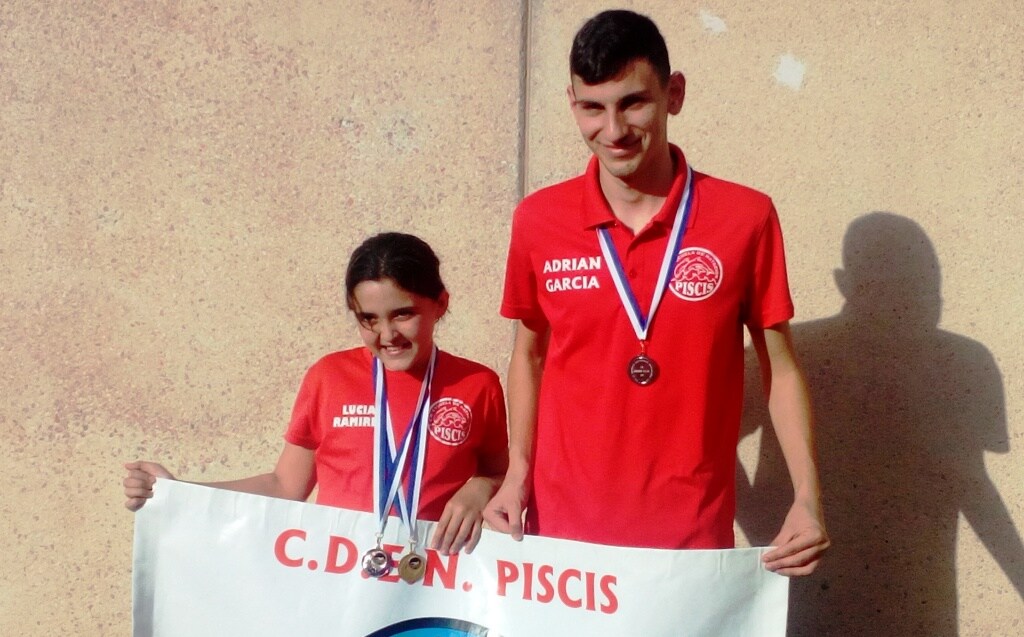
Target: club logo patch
{"x":450,"y":421}
{"x":697,"y":274}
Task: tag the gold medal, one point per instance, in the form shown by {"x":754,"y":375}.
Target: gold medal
{"x":412,"y":567}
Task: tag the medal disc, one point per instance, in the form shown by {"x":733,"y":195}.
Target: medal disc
{"x":377,"y":563}
{"x":642,"y":370}
{"x":411,"y":567}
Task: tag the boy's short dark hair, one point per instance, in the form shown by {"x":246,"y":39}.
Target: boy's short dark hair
{"x":610,"y":40}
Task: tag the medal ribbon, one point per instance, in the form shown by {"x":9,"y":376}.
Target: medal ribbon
{"x":642,"y":324}
{"x":391,"y":458}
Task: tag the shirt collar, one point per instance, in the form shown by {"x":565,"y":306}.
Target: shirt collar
{"x":597,"y":212}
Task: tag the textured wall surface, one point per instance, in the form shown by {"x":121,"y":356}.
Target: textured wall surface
{"x":181,"y":184}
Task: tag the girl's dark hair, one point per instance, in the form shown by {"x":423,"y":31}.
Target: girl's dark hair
{"x":403,"y":258}
{"x":609,"y":41}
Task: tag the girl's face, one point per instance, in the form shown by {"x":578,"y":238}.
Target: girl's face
{"x":397,"y":325}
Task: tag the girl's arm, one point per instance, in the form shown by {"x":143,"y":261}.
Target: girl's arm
{"x":293,"y":478}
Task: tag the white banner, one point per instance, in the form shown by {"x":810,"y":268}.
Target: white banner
{"x":220,"y":563}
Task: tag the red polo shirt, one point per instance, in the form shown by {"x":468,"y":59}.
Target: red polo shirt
{"x":618,"y":463}
{"x":333,"y":415}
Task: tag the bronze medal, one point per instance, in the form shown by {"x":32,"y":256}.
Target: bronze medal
{"x":377,"y":562}
{"x":412,"y":567}
{"x":642,"y":370}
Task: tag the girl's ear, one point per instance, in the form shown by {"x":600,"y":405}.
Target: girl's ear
{"x":442,"y":303}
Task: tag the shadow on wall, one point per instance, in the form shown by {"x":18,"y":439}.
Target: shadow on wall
{"x":905,"y":412}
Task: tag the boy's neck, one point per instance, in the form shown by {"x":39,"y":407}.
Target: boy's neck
{"x":635,"y":201}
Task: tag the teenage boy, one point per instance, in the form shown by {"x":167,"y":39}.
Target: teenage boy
{"x":630,"y":285}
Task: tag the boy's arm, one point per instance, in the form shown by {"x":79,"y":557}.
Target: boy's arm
{"x":802,"y":540}
{"x":504,"y":511}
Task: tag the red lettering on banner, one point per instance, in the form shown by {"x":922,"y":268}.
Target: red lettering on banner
{"x":590,"y":591}
{"x":446,"y":573}
{"x":282,"y":541}
{"x":612,"y":602}
{"x":343,"y":557}
{"x":572,"y":587}
{"x":541,"y":583}
{"x":544,"y":574}
{"x":507,"y":573}
{"x":351,"y":554}
{"x":395,"y":551}
{"x":563,"y":588}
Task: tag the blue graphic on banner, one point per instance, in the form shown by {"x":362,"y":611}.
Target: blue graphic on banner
{"x":433,"y":627}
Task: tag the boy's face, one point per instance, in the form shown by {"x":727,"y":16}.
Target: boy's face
{"x":624,"y":120}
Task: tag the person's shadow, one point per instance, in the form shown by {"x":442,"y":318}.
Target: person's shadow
{"x":904,"y":413}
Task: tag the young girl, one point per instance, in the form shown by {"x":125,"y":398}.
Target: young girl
{"x":393,"y":427}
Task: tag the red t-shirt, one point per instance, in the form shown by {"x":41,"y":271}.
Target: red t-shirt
{"x":333,"y":415}
{"x":617,"y":463}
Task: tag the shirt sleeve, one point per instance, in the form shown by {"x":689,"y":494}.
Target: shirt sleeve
{"x":769,"y":301}
{"x":495,"y":425}
{"x":302,"y":429}
{"x":519,"y":300}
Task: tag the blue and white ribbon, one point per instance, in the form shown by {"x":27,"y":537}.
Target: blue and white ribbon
{"x":642,"y":324}
{"x":392,"y":457}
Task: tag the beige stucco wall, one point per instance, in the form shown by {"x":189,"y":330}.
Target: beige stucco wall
{"x":180,"y":186}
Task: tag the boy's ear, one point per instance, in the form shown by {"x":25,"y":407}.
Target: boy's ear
{"x":676,"y":92}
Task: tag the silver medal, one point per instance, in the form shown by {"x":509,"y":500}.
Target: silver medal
{"x":377,"y":562}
